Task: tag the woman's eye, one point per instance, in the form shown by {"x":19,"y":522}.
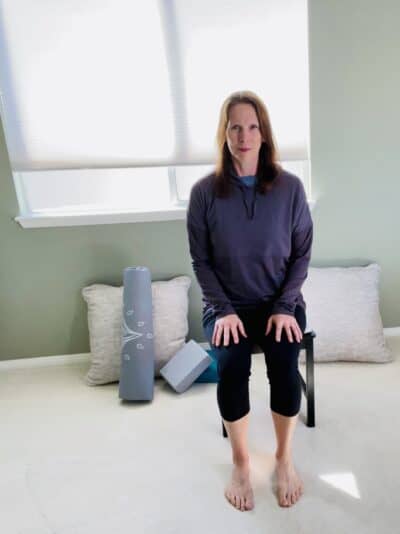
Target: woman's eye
{"x":254,"y":126}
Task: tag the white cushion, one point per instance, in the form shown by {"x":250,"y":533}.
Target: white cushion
{"x":342,"y":307}
{"x":170,"y":325}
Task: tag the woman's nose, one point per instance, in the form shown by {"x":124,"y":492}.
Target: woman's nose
{"x":242,"y":136}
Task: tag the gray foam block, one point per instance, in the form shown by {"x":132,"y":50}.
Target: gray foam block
{"x":185,"y":366}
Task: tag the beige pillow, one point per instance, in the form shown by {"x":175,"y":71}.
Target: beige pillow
{"x":342,"y":307}
{"x":170,"y":325}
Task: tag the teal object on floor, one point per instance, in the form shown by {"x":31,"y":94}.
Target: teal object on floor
{"x":211,"y":373}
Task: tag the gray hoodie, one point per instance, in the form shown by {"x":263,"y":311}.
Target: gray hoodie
{"x":249,"y":249}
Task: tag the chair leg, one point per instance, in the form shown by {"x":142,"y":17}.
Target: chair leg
{"x":224,"y":432}
{"x":310,"y":383}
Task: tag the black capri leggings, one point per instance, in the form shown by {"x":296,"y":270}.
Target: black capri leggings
{"x":234,"y":363}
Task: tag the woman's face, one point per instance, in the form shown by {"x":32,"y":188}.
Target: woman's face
{"x":243,"y":134}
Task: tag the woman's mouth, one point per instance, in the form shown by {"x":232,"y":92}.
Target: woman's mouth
{"x":244,"y":149}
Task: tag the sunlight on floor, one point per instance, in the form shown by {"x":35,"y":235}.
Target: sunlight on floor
{"x":344,"y":481}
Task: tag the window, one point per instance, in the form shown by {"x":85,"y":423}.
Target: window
{"x":110,"y":107}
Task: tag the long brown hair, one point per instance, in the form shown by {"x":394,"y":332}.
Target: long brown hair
{"x":268,"y":167}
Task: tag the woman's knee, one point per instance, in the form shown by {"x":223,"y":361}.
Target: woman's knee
{"x":233,"y":395}
{"x":285,"y":394}
{"x":233,"y":361}
{"x":282,"y":356}
{"x":234,"y":370}
{"x":282,"y":367}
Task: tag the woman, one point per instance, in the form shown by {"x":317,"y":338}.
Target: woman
{"x":250,"y":235}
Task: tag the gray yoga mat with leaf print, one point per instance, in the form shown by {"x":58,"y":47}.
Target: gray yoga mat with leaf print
{"x":137,"y":351}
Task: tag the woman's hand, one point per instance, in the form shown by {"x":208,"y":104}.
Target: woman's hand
{"x":226,"y":325}
{"x":287,"y":322}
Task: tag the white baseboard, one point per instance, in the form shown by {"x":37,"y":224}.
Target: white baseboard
{"x":61,"y":359}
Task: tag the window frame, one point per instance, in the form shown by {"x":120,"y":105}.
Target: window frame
{"x":175,"y":209}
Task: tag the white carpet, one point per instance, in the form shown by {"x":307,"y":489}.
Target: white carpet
{"x":74,"y":460}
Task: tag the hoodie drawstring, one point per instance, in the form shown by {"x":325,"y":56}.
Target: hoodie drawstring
{"x":251,"y":211}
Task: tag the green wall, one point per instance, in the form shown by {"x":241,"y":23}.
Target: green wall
{"x":355,"y":117}
{"x":354,"y":85}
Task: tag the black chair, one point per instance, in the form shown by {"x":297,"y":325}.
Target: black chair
{"x":307,"y":343}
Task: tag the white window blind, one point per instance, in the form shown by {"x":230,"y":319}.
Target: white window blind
{"x":95,"y":86}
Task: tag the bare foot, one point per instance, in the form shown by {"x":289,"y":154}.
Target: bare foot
{"x":239,"y":492}
{"x":289,"y":485}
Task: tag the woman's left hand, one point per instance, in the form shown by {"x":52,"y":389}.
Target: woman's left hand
{"x":286,"y":322}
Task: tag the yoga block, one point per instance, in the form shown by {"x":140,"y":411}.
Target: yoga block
{"x":185,"y":366}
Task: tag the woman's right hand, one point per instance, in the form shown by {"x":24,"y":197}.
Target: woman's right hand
{"x":229,"y":324}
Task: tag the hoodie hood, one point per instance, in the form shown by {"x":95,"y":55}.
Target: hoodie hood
{"x":249,"y":194}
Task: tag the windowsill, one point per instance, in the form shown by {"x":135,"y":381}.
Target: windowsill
{"x":113,"y":217}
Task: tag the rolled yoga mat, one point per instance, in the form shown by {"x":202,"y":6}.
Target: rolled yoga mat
{"x":137,"y":351}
